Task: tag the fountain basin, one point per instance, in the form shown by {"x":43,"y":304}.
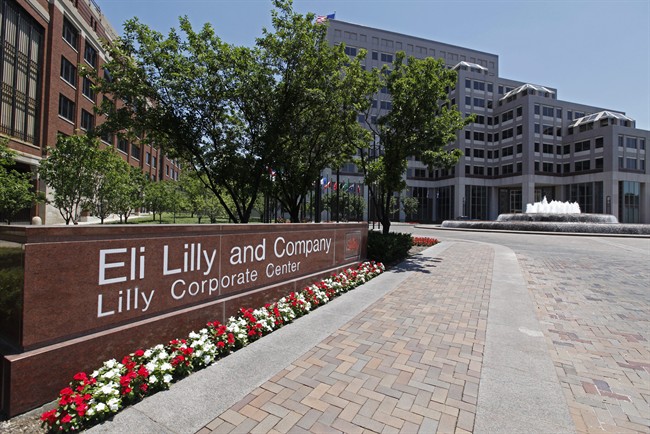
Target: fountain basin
{"x":575,"y":227}
{"x":559,"y":218}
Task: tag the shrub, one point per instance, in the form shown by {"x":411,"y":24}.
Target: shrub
{"x":390,"y":248}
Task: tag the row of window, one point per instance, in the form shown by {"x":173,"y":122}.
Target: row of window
{"x":494,"y":137}
{"x":507,"y":169}
{"x":494,"y":153}
{"x":478,"y":102}
{"x":631,"y":142}
{"x":69,"y":74}
{"x":547,"y":130}
{"x":479,"y":85}
{"x":551,"y":112}
{"x":631,"y":163}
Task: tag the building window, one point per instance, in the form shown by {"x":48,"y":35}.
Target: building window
{"x":87,"y":89}
{"x":385,"y":57}
{"x":582,"y":166}
{"x":490,"y":87}
{"x":87,"y":120}
{"x":468,"y":83}
{"x":90,"y":55}
{"x":558,"y":113}
{"x":20,"y":69}
{"x":630,"y":142}
{"x":66,"y":108}
{"x":599,"y":163}
{"x":468,"y":100}
{"x":70,"y":33}
{"x":123,"y":145}
{"x":629,"y":196}
{"x":351,"y":51}
{"x":630,"y":163}
{"x":585,"y":145}
{"x":548,"y":130}
{"x":135,"y":151}
{"x":479,"y":137}
{"x":479,"y":153}
{"x":547,"y":167}
{"x":536,"y":109}
{"x":479,"y":85}
{"x":68,"y":71}
{"x":537,"y":129}
{"x":642,"y":143}
{"x":548,"y":111}
{"x":479,"y":102}
{"x":599,"y":142}
{"x":547,"y":148}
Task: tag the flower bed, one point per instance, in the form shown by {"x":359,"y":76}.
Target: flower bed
{"x":425,"y":241}
{"x":90,"y":399}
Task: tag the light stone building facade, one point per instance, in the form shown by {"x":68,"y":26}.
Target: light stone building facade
{"x":525,"y":143}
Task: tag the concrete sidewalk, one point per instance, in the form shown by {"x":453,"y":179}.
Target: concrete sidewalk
{"x":448,"y":342}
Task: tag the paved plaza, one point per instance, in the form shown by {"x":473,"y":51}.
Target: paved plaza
{"x":485,"y":332}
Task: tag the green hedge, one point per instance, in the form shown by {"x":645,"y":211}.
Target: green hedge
{"x":389,"y":249}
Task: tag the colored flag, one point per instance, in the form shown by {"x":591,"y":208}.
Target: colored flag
{"x":323,"y":181}
{"x":328,"y":185}
{"x":334,"y":186}
{"x":351,"y":188}
{"x":345,"y":185}
{"x":359,"y":188}
{"x":320,"y":19}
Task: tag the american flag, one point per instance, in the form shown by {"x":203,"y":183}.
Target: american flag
{"x":320,"y":19}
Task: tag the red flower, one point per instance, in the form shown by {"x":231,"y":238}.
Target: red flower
{"x":49,"y":417}
{"x":67,"y":418}
{"x":220,"y":344}
{"x":139,"y":353}
{"x":80,"y":376}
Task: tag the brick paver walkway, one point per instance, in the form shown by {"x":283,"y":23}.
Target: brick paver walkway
{"x":597,"y":317}
{"x":409,"y":363}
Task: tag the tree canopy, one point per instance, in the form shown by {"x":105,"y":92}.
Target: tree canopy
{"x":289,"y":104}
{"x":421,"y":124}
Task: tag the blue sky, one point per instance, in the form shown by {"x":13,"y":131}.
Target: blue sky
{"x":593,"y":52}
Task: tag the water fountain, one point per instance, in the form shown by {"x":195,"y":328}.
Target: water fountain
{"x":553,"y":216}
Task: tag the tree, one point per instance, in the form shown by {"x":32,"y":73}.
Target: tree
{"x":318,"y":92}
{"x":199,"y":98}
{"x":105,"y":186}
{"x":128,"y":192}
{"x":157,"y":197}
{"x":421,"y":123}
{"x":16,"y":191}
{"x":71,"y":171}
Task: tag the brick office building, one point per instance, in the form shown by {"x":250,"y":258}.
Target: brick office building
{"x":42,"y":95}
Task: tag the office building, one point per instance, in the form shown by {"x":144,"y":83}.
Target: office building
{"x":525,"y":143}
{"x":43,"y":44}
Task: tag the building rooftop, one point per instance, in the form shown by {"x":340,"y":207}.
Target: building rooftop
{"x":598,"y":116}
{"x":528,"y":88}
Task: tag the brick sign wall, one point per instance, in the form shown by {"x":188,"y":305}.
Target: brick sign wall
{"x":85,"y":288}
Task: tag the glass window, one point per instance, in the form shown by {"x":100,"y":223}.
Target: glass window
{"x":490,"y":87}
{"x":385,"y":57}
{"x":87,"y":120}
{"x":21,"y":66}
{"x":547,"y":111}
{"x":599,"y":142}
{"x":123,"y":145}
{"x":479,"y":102}
{"x":468,"y":83}
{"x":500,"y":90}
{"x":70,"y":33}
{"x":68,"y":71}
{"x":536,"y":109}
{"x":558,"y":113}
{"x":630,"y":163}
{"x":135,"y":151}
{"x":66,"y":108}
{"x":90,"y":55}
{"x":630,"y":142}
{"x":642,"y":143}
{"x":479,"y":85}
{"x":87,"y":88}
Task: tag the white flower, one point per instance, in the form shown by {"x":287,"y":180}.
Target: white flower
{"x":167,"y":378}
{"x":106,"y":390}
{"x":100,"y":407}
{"x":147,"y":354}
{"x":166,"y":367}
{"x":110,"y":364}
{"x":152,"y":379}
{"x":113,"y":404}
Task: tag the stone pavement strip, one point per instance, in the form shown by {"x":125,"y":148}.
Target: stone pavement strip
{"x":411,"y":362}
